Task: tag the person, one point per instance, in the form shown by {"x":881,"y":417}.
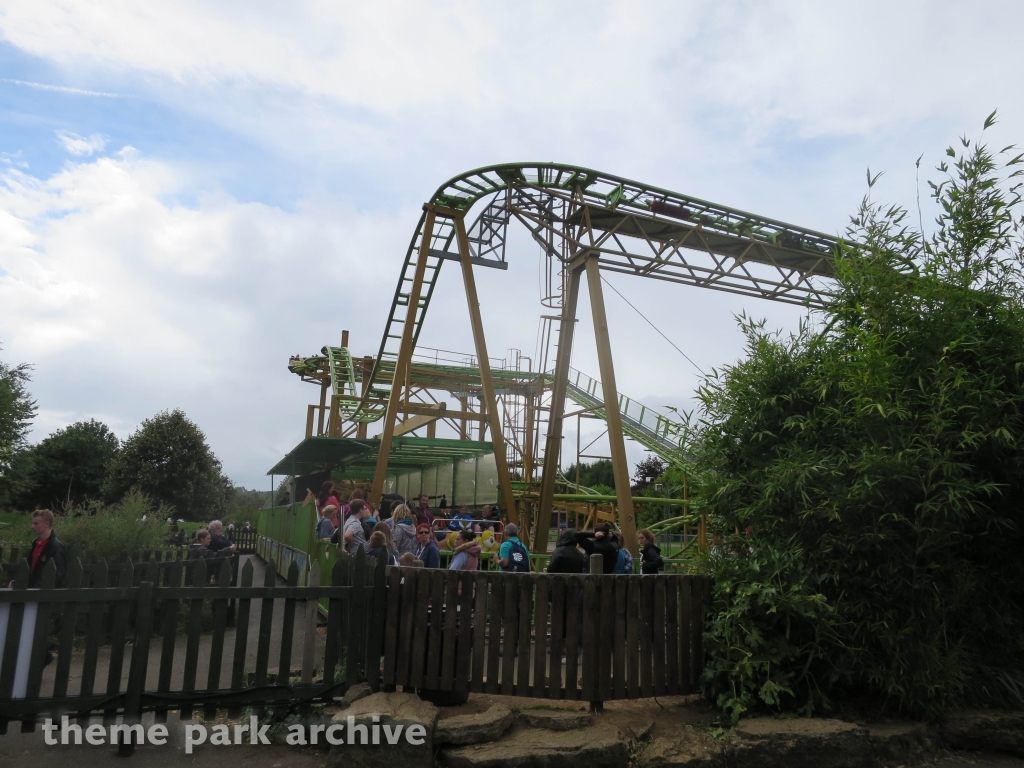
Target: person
{"x":231,"y":532}
{"x":461,"y":520}
{"x":466,"y":554}
{"x":489,"y":518}
{"x":218,"y":540}
{"x":426,"y":549}
{"x":286,"y":498}
{"x":384,"y":528}
{"x":356,"y":495}
{"x":355,"y":536}
{"x":513,"y":556}
{"x":651,"y":561}
{"x":45,"y":548}
{"x":423,"y":513}
{"x":377,"y":546}
{"x":247,"y":528}
{"x":407,"y":559}
{"x":624,"y":561}
{"x":328,"y":497}
{"x":567,"y":558}
{"x":325,"y":528}
{"x":176,"y":536}
{"x":200,"y":546}
{"x":403,"y":530}
{"x":600,"y":542}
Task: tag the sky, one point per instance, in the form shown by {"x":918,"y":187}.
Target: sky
{"x":191,"y":192}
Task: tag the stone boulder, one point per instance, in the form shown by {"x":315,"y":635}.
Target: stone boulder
{"x":901,"y":743}
{"x":765,"y":742}
{"x":594,"y":747}
{"x":690,"y":747}
{"x":352,"y":695}
{"x":985,"y":731}
{"x":473,"y":729}
{"x":391,"y":709}
{"x":555,"y":719}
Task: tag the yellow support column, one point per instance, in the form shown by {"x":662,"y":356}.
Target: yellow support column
{"x":616,"y":441}
{"x":553,"y":441}
{"x":487,"y":383}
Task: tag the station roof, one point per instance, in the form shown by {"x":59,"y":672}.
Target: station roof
{"x":357,"y":458}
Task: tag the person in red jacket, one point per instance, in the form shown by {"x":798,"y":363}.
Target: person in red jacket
{"x":45,"y":549}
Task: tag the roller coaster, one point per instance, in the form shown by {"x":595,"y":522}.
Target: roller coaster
{"x":506,"y":415}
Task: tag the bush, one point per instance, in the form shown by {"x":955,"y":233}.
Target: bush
{"x":879,"y":461}
{"x":107,"y":531}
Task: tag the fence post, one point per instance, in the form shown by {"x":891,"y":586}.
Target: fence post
{"x":139,"y":664}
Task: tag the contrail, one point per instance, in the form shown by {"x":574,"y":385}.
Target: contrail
{"x":62,"y":89}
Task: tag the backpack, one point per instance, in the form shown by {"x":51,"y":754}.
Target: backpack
{"x":624,"y":562}
{"x":518,"y":558}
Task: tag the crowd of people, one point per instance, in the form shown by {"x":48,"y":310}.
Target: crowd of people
{"x":405,"y":535}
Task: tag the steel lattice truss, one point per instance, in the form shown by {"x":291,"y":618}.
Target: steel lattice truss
{"x":632,"y":227}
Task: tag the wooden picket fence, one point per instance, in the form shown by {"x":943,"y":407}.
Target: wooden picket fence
{"x":579,"y":637}
{"x":151,"y":610}
{"x":588,"y":637}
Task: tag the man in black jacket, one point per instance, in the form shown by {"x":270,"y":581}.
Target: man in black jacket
{"x":567,"y":558}
{"x":600,"y":542}
{"x":45,"y":549}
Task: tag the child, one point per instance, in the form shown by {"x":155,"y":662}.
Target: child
{"x":650,"y":556}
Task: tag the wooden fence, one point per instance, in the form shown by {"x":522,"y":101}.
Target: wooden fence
{"x":160,"y":636}
{"x":152,"y":611}
{"x":592,"y":638}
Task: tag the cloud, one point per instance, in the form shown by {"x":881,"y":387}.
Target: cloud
{"x":129,"y":302}
{"x":79,"y":145}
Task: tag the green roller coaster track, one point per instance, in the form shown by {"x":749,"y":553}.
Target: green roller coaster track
{"x":633,"y":228}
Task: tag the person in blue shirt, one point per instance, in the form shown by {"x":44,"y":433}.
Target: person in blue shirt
{"x":426,"y":548}
{"x":513,"y":556}
{"x":461,"y":520}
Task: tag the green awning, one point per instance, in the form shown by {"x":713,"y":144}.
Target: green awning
{"x":357,"y":458}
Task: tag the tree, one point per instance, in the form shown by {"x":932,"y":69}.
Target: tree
{"x":597,"y":476}
{"x":648,"y":470}
{"x":17,"y":410}
{"x":879,"y":461}
{"x":169,"y":461}
{"x":68,"y":468}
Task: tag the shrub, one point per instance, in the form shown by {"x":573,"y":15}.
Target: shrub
{"x":879,"y":460}
{"x":107,"y":531}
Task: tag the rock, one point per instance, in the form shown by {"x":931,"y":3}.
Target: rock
{"x":765,"y":742}
{"x":895,"y":744}
{"x":392,"y":709}
{"x":352,"y":695}
{"x":986,"y":731}
{"x":473,"y":729}
{"x":555,"y":720}
{"x":691,"y":747}
{"x":640,"y":731}
{"x":594,"y":747}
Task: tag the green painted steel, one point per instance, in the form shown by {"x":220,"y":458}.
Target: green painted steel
{"x":724,"y":230}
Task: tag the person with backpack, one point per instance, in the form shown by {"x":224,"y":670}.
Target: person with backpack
{"x":354,"y":535}
{"x":325,"y":528}
{"x":513,"y":556}
{"x":624,"y":560}
{"x":44,"y":549}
